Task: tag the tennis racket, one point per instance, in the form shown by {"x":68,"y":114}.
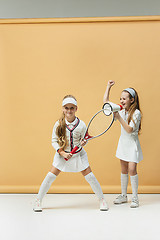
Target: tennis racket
{"x":99,"y":124}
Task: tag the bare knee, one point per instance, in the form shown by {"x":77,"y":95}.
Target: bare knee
{"x":86,"y":171}
{"x":124,"y":167}
{"x":132,"y":171}
{"x":55,"y":171}
{"x":132,"y":168}
{"x":124,"y":171}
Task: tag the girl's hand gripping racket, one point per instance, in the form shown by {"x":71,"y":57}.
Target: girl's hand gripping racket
{"x":99,"y":124}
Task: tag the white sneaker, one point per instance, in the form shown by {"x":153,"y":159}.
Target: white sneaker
{"x":37,"y":206}
{"x":120,"y":199}
{"x":103,"y":205}
{"x":135,"y":202}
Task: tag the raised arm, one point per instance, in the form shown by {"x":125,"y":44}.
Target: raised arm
{"x":106,"y":94}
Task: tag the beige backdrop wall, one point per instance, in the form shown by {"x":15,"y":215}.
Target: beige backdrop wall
{"x":43,"y":60}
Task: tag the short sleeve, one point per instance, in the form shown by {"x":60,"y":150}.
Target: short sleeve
{"x":137,"y":120}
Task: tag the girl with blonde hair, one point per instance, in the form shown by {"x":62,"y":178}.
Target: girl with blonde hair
{"x":68,"y":131}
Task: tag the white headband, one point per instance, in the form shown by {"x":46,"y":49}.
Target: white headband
{"x":131,"y":91}
{"x":69,"y":100}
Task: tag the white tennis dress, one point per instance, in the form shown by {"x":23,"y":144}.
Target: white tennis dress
{"x":129,"y":148}
{"x":79,"y":161}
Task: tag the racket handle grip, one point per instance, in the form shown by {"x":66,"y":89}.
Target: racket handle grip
{"x":73,"y":151}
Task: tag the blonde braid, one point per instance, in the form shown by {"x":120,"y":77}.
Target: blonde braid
{"x":61,"y":129}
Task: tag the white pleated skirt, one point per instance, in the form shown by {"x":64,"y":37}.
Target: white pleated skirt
{"x":77,"y":163}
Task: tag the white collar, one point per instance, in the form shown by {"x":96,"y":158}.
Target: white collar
{"x":72,"y":123}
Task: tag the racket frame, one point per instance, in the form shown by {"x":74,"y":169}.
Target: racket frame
{"x":92,"y":137}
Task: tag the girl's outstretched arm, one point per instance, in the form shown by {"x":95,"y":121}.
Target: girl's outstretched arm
{"x":106,"y":94}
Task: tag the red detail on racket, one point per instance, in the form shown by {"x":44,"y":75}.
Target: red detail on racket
{"x":98,"y":125}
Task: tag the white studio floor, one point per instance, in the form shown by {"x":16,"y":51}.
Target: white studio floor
{"x":77,"y":216}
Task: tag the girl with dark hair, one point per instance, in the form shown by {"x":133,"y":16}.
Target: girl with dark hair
{"x":129,"y":150}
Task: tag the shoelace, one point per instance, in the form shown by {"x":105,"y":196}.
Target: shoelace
{"x":38,"y":202}
{"x":135,"y":200}
{"x":119,"y":197}
{"x":103,"y":202}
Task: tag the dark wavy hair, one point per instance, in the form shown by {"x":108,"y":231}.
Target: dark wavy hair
{"x":135,"y":105}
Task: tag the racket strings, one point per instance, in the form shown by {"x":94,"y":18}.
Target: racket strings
{"x":99,"y":124}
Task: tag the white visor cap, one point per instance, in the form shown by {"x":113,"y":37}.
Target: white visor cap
{"x":69,"y":100}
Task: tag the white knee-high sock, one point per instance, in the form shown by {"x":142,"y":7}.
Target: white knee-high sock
{"x":91,"y":179}
{"x":134,"y":184}
{"x":46,"y":185}
{"x":124,"y":183}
